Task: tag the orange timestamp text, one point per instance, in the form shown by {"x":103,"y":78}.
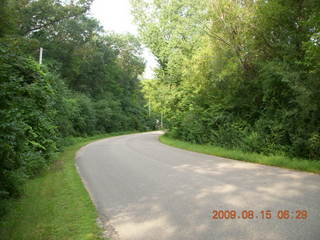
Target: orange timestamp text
{"x":262,"y":214}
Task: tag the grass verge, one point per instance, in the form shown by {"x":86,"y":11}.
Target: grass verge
{"x":272,"y":160}
{"x":55,"y":205}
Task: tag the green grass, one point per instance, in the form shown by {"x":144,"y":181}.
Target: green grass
{"x":55,"y":205}
{"x":272,"y":160}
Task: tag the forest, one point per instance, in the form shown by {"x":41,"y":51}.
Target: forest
{"x":87,"y":84}
{"x":239,"y":74}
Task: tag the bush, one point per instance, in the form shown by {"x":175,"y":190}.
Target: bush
{"x":27,"y":129}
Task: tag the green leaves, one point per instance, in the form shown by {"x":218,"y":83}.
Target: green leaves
{"x":88,"y":83}
{"x":26,"y":118}
{"x":241,"y":74}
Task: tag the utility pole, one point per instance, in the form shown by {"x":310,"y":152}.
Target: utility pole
{"x":40,"y":55}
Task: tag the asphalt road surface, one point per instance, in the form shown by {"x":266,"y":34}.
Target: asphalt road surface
{"x":145,"y":190}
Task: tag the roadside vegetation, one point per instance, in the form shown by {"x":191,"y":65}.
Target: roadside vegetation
{"x":278,"y":160}
{"x":87,"y":84}
{"x":236,"y":74}
{"x":55,"y":204}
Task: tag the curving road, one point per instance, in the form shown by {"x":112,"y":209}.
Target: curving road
{"x":145,"y":190}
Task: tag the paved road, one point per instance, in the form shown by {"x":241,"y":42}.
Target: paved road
{"x":145,"y":190}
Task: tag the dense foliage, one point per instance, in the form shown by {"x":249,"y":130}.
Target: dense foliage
{"x":88,"y":83}
{"x":237,"y":73}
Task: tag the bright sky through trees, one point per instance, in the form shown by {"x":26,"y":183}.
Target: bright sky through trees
{"x":115,"y":16}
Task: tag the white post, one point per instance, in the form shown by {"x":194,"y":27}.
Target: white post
{"x":40,"y":56}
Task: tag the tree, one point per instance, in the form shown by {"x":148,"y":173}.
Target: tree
{"x":236,"y":73}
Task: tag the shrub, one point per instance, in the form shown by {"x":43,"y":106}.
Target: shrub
{"x":27,"y":129}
